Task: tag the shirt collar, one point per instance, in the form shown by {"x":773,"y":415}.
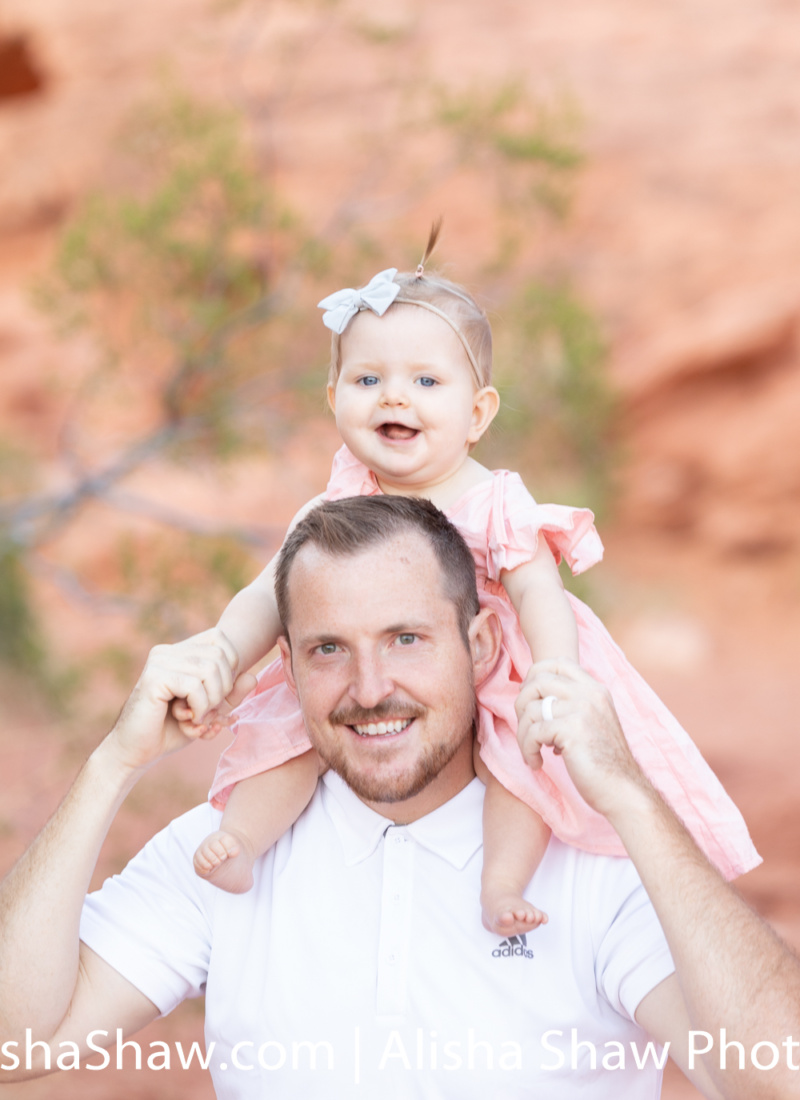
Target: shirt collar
{"x":453,"y":831}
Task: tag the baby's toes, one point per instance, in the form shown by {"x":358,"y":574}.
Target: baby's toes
{"x":214,"y":851}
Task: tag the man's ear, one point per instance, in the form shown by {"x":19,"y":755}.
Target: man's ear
{"x":485,"y":404}
{"x":485,"y":640}
{"x":331,"y":391}
{"x":286,"y":660}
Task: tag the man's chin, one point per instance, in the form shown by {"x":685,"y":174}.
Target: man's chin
{"x":389,"y":789}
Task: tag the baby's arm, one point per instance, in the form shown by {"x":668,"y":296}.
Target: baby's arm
{"x":251,"y":621}
{"x":251,"y":625}
{"x":544,"y":612}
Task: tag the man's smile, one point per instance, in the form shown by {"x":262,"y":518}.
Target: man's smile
{"x":375,"y":729}
{"x":388,"y":719}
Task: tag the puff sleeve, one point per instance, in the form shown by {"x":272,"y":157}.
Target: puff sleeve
{"x":516,"y":522}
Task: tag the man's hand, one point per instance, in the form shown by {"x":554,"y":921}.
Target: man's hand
{"x":584,"y":728}
{"x":199,"y":676}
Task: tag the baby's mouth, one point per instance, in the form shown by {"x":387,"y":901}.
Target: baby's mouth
{"x":397,"y":431}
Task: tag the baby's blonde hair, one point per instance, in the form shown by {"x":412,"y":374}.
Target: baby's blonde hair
{"x":454,"y":302}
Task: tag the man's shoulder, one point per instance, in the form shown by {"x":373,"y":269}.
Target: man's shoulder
{"x":168,"y":854}
{"x":188,"y":828}
{"x":598,"y":897}
{"x":592,"y":864}
{"x":601,"y":876}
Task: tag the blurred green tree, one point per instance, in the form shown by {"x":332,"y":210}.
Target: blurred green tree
{"x":185,"y":275}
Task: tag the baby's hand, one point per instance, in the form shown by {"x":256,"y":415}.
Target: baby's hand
{"x":204,"y":730}
{"x":208,"y":725}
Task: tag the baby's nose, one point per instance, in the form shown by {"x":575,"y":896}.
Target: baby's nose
{"x":394,"y":395}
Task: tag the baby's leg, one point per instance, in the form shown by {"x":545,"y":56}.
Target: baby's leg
{"x":514,"y":841}
{"x":259,"y":810}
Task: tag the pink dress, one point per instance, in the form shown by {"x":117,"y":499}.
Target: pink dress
{"x":502,"y":524}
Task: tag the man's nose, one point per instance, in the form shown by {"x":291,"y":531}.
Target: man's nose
{"x":369,"y":685}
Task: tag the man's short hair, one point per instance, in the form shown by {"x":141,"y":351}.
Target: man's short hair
{"x":343,"y":528}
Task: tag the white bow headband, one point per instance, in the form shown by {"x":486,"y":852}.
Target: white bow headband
{"x":379,"y":293}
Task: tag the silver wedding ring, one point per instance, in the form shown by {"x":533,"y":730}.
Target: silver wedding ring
{"x":547,"y":707}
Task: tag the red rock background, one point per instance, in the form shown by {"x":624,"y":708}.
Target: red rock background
{"x":684,"y":237}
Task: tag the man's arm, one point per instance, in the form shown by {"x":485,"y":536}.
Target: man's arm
{"x":48,"y":981}
{"x":735,"y":979}
{"x":732,"y":971}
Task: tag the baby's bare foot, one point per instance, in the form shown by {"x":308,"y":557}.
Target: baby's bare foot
{"x":226,"y":860}
{"x":509,"y":914}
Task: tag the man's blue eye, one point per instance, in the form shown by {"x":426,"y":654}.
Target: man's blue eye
{"x":425,"y":381}
{"x":327,"y":648}
{"x":406,"y":639}
{"x":368,"y":380}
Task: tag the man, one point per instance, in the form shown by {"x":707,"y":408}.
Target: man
{"x":357,"y":965}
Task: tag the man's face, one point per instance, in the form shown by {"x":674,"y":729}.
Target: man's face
{"x":384,"y":678}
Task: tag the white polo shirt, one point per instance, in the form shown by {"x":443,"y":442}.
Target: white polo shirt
{"x":358,"y":966}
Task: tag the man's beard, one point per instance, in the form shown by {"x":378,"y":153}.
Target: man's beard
{"x":376,"y":788}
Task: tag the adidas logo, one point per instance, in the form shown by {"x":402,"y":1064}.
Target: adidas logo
{"x":514,"y":945}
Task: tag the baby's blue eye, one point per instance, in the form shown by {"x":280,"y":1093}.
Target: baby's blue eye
{"x":368,"y":380}
{"x":425,"y":381}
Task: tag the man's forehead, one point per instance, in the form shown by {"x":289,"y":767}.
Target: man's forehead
{"x":408,"y":548}
{"x":404,"y":568}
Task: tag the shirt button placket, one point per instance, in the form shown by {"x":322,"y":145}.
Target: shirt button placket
{"x":398,"y":858}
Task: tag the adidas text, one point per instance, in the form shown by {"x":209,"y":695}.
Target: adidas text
{"x":514,"y":945}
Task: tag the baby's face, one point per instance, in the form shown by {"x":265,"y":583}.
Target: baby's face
{"x":405,"y":400}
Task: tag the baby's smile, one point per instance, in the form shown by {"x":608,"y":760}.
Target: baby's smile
{"x":397,"y":431}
